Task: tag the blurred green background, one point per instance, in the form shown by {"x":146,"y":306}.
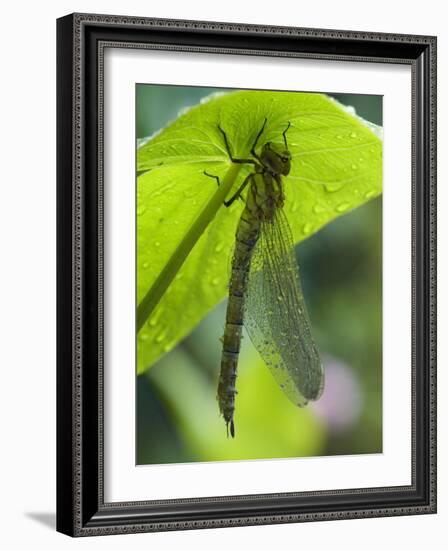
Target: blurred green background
{"x":341,"y":270}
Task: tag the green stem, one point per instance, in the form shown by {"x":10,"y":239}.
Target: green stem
{"x":155,"y":293}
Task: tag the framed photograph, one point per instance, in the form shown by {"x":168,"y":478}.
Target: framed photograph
{"x":246,"y":274}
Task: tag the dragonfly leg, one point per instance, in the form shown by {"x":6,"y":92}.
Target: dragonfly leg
{"x":284,"y":134}
{"x":252,"y":151}
{"x":237,"y":161}
{"x":212,"y":176}
{"x":237,"y":194}
{"x":140,"y":172}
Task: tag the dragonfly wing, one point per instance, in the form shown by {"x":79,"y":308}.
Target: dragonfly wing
{"x":276,"y":317}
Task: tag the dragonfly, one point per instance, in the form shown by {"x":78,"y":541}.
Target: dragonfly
{"x":265,"y":293}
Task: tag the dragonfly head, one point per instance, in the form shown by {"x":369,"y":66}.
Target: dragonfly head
{"x":276,"y":158}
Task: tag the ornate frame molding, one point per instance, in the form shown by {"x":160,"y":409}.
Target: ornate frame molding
{"x":81,"y":42}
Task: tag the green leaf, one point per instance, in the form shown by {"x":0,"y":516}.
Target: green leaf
{"x":185,"y":235}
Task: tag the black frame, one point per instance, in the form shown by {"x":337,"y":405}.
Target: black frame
{"x":81,"y":39}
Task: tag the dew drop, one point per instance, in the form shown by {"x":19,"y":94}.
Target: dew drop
{"x":141,"y":210}
{"x":369,"y":194}
{"x":152,"y":322}
{"x":306,"y":229}
{"x":342,"y":207}
{"x":160,"y":338}
{"x":339,"y":136}
{"x":332,"y":187}
{"x":166,"y":347}
{"x":144,"y":336}
{"x":318,"y":209}
{"x":157,"y":244}
{"x":353,"y":134}
{"x":219,"y":247}
{"x":354,"y":167}
{"x":215,"y":281}
{"x":145,"y":265}
{"x":294,"y":206}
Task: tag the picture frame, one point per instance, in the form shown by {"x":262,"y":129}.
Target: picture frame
{"x":82,"y":509}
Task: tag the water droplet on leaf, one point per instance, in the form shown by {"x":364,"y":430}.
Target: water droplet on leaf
{"x":318,"y":209}
{"x":342,"y":207}
{"x":306,"y":229}
{"x":152,"y":322}
{"x":332,"y":187}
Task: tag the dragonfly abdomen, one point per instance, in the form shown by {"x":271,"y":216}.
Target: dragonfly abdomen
{"x":246,"y":238}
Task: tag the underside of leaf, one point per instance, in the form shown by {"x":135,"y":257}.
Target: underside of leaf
{"x":185,"y":235}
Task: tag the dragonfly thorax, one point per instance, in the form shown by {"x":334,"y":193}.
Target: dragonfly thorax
{"x":265,"y":195}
